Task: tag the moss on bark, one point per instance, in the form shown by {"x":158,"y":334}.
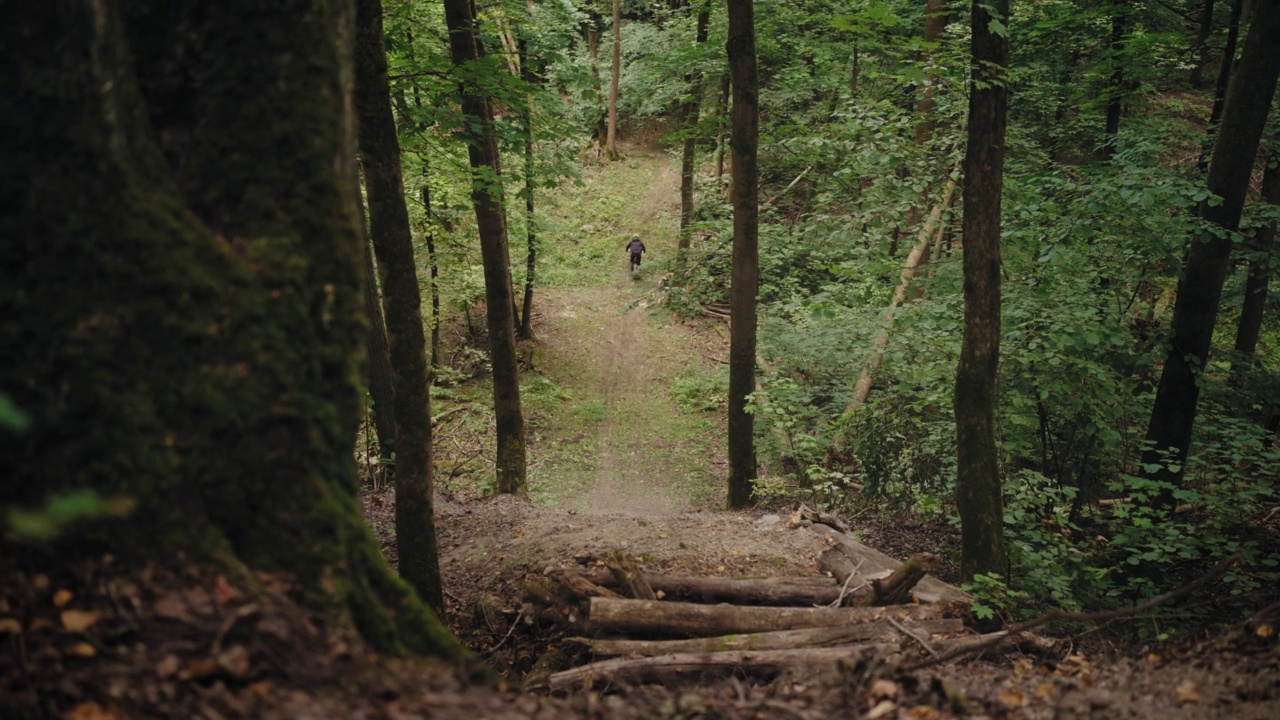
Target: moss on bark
{"x":185,"y":267}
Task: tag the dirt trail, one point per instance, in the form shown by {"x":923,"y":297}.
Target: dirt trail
{"x":619,"y":359}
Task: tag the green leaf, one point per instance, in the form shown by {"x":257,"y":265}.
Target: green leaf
{"x":10,"y":416}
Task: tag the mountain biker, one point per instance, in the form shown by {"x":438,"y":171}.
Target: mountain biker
{"x":636,"y":247}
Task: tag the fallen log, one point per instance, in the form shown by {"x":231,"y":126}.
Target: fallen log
{"x":626,"y":571}
{"x":579,"y":586}
{"x":654,"y":668}
{"x":758,"y":591}
{"x":853,"y":587}
{"x":873,"y":562}
{"x":878,"y":632}
{"x":695,"y":620}
{"x":896,"y":588}
{"x":804,"y":512}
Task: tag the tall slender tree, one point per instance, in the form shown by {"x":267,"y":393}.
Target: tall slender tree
{"x":1201,"y":46}
{"x":531,"y":78}
{"x":1115,"y":83}
{"x":1195,"y":312}
{"x":935,"y":23}
{"x":182,"y":289}
{"x":593,"y":50}
{"x":402,"y":303}
{"x":690,"y":108}
{"x":486,"y":196}
{"x":741,"y":48}
{"x":381,"y":379}
{"x":611,"y":147}
{"x":978,"y":492}
{"x":1260,"y":262}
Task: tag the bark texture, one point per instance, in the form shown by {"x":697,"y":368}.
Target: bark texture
{"x":1257,"y":285}
{"x":935,"y":23}
{"x":187,"y":269}
{"x":745,"y":274}
{"x":380,"y":380}
{"x":531,"y":78}
{"x":977,"y":468}
{"x":689,"y":111}
{"x":1115,"y":84}
{"x":1195,"y":313}
{"x":611,"y":146}
{"x":486,"y":196}
{"x":402,"y":303}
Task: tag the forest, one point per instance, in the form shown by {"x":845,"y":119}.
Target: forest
{"x":996,"y":271}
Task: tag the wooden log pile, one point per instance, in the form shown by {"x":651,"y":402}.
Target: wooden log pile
{"x":642,"y":626}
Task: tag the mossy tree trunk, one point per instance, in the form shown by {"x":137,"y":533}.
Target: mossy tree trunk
{"x":1195,"y":312}
{"x":402,"y":303}
{"x":978,"y":494}
{"x":183,"y":276}
{"x":486,"y":196}
{"x":744,"y":136}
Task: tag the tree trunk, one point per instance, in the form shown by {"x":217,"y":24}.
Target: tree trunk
{"x":1255,"y":289}
{"x":1202,"y":44}
{"x":1115,"y":84}
{"x":870,"y":561}
{"x":667,"y":666}
{"x":689,"y":110}
{"x":402,"y":301}
{"x":918,"y":256}
{"x":741,"y":48}
{"x":183,"y":253}
{"x":756,"y":591}
{"x":827,"y":636}
{"x":722,"y":111}
{"x":593,"y":49}
{"x":694,"y":619}
{"x":1195,"y":313}
{"x":530,"y":78}
{"x":1228,"y":62}
{"x":977,"y":468}
{"x":935,"y":23}
{"x":381,"y":377}
{"x":611,"y":148}
{"x":435,"y":280}
{"x":486,"y":196}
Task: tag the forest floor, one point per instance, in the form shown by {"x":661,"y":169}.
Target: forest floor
{"x":617,"y":462}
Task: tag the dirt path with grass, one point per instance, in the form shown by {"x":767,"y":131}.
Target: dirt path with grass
{"x":619,"y":444}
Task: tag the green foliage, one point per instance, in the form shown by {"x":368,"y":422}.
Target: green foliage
{"x":1092,"y":253}
{"x":696,"y":391}
{"x":63,"y":511}
{"x":11,"y":418}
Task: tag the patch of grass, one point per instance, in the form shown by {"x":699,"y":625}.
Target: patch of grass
{"x":592,"y":412}
{"x":701,"y":391}
{"x":589,"y":226}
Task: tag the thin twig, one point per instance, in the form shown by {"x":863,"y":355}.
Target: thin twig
{"x":905,"y":631}
{"x":505,"y":638}
{"x":1222,"y":566}
{"x":844,"y":589}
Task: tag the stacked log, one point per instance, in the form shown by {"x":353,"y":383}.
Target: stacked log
{"x":642,"y":626}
